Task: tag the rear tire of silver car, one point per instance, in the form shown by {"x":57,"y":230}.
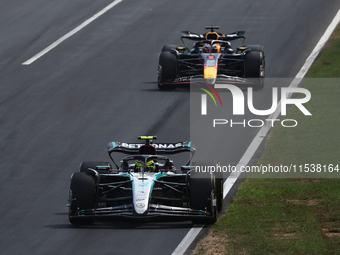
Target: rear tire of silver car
{"x":219,"y":190}
{"x":255,"y":65}
{"x":82,"y":195}
{"x":84,"y":166}
{"x":167,"y":70}
{"x":202,"y":194}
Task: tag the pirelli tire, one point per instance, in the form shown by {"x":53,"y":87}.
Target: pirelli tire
{"x":219,"y":190}
{"x":169,"y":47}
{"x":167,"y":70}
{"x":202,"y":196}
{"x":102,"y":167}
{"x":255,"y":48}
{"x":255,"y":65}
{"x":82,"y":197}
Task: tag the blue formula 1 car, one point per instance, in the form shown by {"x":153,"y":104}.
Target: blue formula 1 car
{"x":212,"y":58}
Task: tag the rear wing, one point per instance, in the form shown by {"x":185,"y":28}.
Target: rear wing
{"x":224,"y":37}
{"x":235,"y":35}
{"x":192,"y":36}
{"x":161,"y":148}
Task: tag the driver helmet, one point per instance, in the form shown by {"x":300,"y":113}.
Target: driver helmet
{"x":146,"y":168}
{"x":207,"y":48}
{"x":216,"y":48}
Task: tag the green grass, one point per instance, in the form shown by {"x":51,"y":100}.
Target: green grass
{"x":283,"y":216}
{"x":327,"y":65}
{"x":291,"y":216}
{"x":316,"y":138}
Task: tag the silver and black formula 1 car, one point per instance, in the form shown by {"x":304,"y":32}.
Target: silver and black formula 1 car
{"x":145,"y":185}
{"x":211,"y":58}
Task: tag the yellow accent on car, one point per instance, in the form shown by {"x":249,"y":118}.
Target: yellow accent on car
{"x":146,"y":137}
{"x":210,"y":72}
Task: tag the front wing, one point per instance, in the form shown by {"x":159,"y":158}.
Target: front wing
{"x":155,"y":210}
{"x":221,"y":79}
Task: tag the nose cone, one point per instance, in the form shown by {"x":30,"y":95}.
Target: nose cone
{"x":210,"y":72}
{"x":141,"y":186}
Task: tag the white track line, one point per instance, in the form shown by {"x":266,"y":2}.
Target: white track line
{"x":72,"y":32}
{"x":229,"y":182}
{"x":187,"y":240}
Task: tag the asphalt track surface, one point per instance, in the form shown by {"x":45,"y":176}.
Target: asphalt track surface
{"x":99,"y":86}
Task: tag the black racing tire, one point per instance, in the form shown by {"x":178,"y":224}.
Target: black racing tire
{"x":219,"y":190}
{"x":169,"y":47}
{"x":82,"y":188}
{"x":202,"y":192}
{"x":253,"y":61}
{"x":84,"y":166}
{"x":167,"y":69}
{"x":252,"y":48}
{"x":254,"y":66}
{"x":255,"y":48}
